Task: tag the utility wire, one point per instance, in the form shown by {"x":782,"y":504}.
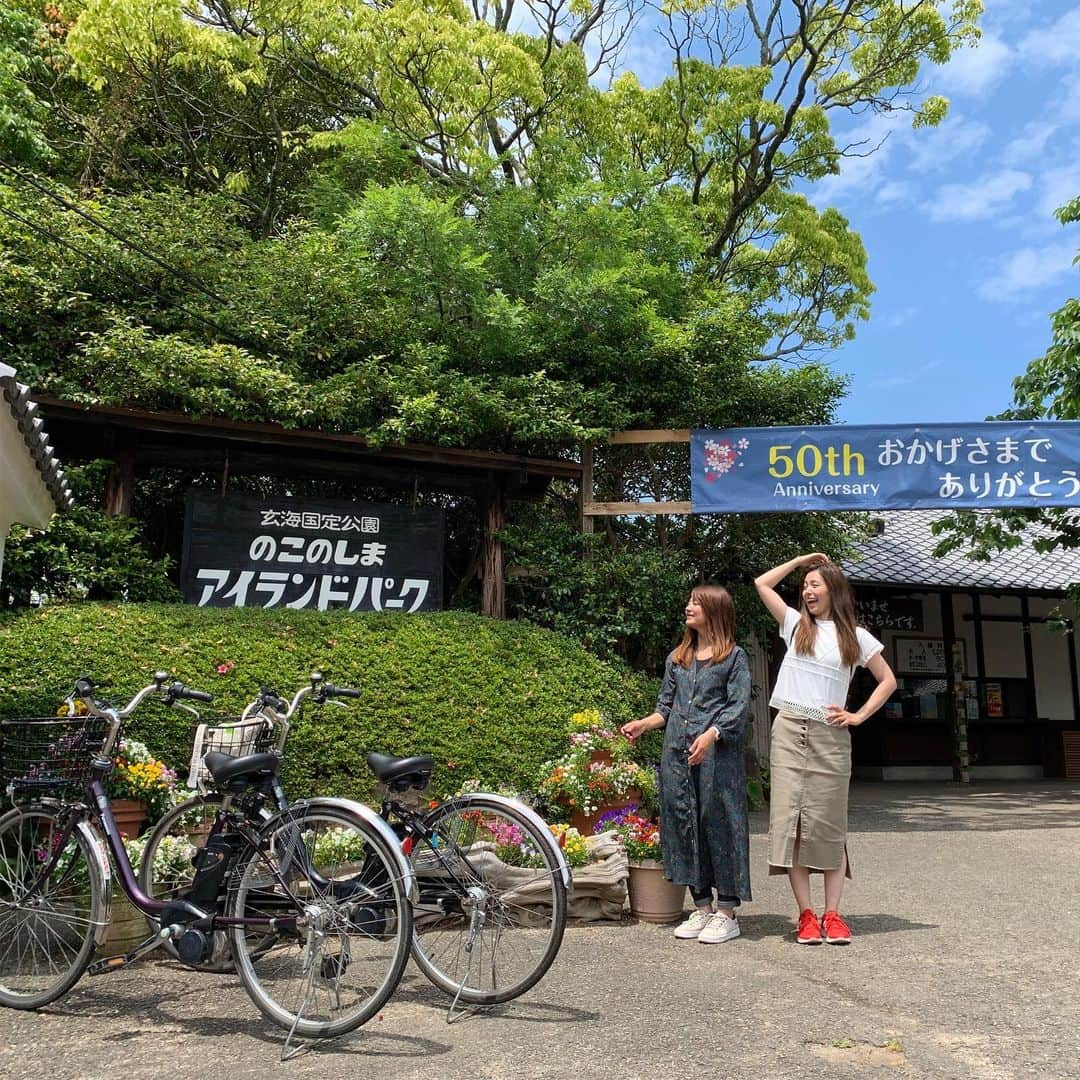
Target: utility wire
{"x":182,"y":274}
{"x":90,"y":257}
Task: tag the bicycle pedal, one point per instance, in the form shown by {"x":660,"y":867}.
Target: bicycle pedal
{"x":109,"y":963}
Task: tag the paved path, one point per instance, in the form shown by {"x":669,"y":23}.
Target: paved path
{"x":966,"y":964}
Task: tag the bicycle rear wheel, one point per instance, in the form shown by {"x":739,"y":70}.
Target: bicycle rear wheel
{"x":46,"y":933}
{"x":492,"y":906}
{"x":167,"y":865}
{"x":343,"y":921}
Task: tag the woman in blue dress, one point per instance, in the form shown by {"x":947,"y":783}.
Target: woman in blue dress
{"x":704,"y":706}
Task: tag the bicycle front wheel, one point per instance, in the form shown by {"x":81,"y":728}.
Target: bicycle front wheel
{"x":341,"y":922}
{"x":46,"y":928}
{"x":492,"y":906}
{"x":167,"y":865}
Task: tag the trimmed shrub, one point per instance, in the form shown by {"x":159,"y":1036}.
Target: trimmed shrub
{"x":489,"y":700}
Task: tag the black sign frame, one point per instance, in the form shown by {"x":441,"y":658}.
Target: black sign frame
{"x":311,"y":554}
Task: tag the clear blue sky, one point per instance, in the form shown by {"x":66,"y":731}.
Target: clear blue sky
{"x":958,"y":224}
{"x":958,"y":221}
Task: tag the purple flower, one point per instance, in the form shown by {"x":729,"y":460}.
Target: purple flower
{"x":614,"y":818}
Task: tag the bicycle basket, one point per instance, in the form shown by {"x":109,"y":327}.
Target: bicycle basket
{"x":51,"y":755}
{"x":237,"y":738}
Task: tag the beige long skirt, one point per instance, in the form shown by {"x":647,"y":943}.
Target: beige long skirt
{"x":810,"y":769}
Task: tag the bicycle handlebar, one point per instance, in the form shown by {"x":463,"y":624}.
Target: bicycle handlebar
{"x":179,"y":690}
{"x":85,"y":688}
{"x":340,"y":691}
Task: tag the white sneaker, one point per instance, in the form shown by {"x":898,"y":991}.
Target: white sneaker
{"x":719,"y":928}
{"x":695,"y":924}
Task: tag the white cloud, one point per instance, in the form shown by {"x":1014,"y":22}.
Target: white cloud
{"x":988,"y":196}
{"x":975,"y":71}
{"x":1028,"y":268}
{"x":1056,"y":44}
{"x":894,"y":191}
{"x":1057,"y":187}
{"x":1030,"y":143}
{"x":1065,"y":104}
{"x":955,"y":137}
{"x":870,"y":145}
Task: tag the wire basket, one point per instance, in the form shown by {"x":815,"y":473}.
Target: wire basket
{"x":50,"y":755}
{"x":237,"y":738}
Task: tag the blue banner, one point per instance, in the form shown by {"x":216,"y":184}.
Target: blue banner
{"x":900,"y":467}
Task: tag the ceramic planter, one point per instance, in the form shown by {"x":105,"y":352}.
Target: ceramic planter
{"x":130,"y":817}
{"x":653,"y":898}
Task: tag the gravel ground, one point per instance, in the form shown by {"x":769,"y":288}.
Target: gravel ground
{"x":965,"y":964}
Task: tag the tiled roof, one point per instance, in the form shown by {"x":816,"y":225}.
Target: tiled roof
{"x":902,"y":554}
{"x":16,"y":397}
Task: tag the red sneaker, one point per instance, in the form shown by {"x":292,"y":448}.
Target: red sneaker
{"x":809,"y":932}
{"x":837,"y":932}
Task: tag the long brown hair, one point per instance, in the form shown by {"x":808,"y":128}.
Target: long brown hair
{"x":841,"y":611}
{"x":719,"y":611}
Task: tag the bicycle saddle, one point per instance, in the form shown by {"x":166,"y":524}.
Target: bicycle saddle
{"x":249,"y":769}
{"x":402,"y":773}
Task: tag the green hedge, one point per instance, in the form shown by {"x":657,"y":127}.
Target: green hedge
{"x":490,"y":700}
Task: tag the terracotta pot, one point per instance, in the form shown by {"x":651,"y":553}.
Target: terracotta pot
{"x":130,"y":817}
{"x":601,"y":757}
{"x":653,"y":898}
{"x":584,"y":823}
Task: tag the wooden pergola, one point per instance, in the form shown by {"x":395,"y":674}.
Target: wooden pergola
{"x":140,"y":439}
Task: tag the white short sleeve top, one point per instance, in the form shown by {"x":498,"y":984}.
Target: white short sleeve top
{"x":822,"y":679}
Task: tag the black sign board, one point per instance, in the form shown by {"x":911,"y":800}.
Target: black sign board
{"x":879,"y":612}
{"x":241,"y":551}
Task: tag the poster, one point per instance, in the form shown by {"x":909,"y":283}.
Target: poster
{"x":242,"y":551}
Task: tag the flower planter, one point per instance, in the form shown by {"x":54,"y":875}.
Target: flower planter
{"x":585,"y":823}
{"x":127,"y":926}
{"x":601,"y":757}
{"x":653,"y":898}
{"x":130,"y":817}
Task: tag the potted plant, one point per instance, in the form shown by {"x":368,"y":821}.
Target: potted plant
{"x":652,"y":897}
{"x":140,"y":788}
{"x":601,"y":741}
{"x":587,"y":788}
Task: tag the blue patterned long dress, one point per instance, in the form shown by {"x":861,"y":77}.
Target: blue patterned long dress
{"x":704,"y":825}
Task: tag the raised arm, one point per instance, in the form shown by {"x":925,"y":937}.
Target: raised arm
{"x":766,"y":583}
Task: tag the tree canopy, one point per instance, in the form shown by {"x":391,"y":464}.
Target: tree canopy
{"x":459,"y":223}
{"x":1048,"y":389}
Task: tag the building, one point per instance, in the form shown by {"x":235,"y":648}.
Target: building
{"x":985,"y":656}
{"x":32,"y":483}
{"x":984,"y":653}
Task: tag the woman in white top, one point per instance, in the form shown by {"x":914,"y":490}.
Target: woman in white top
{"x":810,"y":755}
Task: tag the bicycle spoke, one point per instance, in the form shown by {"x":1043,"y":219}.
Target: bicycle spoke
{"x":486,"y":860}
{"x":351,"y":924}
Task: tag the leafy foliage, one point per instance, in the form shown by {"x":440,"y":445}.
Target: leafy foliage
{"x":1050,"y":387}
{"x":437,"y":222}
{"x":84,"y":554}
{"x":490,"y":700}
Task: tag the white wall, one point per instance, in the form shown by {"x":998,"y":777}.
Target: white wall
{"x":1053,"y":689}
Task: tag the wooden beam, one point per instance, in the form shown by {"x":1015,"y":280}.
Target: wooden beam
{"x":492,"y":578}
{"x":656,"y":435}
{"x":120,"y":484}
{"x":586,"y":486}
{"x":609,"y":509}
{"x":292,"y":440}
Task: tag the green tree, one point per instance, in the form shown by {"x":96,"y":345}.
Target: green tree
{"x":1049,"y":388}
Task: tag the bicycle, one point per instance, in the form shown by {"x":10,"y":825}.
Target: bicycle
{"x":319,"y":945}
{"x":492,"y":879}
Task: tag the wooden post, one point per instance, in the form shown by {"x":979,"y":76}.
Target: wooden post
{"x":492,"y":579}
{"x":586,"y":486}
{"x":120,"y":486}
